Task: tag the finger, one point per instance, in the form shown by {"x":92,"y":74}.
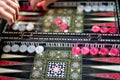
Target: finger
{"x":33,"y":3}
{"x":10,"y":10}
{"x":7,"y":16}
{"x":40,"y":5}
{"x":47,"y":3}
{"x":14,"y":6}
{"x":17,"y":3}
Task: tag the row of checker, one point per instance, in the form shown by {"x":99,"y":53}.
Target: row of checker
{"x":96,"y":7}
{"x":85,"y":50}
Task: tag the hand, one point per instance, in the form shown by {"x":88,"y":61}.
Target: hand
{"x":9,"y":10}
{"x":46,"y":3}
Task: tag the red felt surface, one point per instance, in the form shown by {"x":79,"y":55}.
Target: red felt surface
{"x":111,"y":14}
{"x":115,"y":76}
{"x":7,"y":78}
{"x":6,"y":63}
{"x":109,"y":60}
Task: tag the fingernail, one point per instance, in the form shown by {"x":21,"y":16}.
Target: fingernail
{"x":40,"y":4}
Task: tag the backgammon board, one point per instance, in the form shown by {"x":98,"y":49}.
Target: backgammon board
{"x":73,"y":40}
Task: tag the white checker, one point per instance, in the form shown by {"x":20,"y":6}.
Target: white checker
{"x":15,"y":48}
{"x":30,"y":27}
{"x":102,"y":8}
{"x":31,"y":49}
{"x":110,"y":8}
{"x":6,"y":48}
{"x":88,"y":8}
{"x":23,"y":48}
{"x":22,"y":27}
{"x":95,"y":8}
{"x":80,"y":8}
{"x":15,"y":26}
{"x":39,"y":49}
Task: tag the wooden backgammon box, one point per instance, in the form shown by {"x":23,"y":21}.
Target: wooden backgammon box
{"x":73,"y":40}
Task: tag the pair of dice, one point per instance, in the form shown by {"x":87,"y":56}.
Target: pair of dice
{"x":59,"y":22}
